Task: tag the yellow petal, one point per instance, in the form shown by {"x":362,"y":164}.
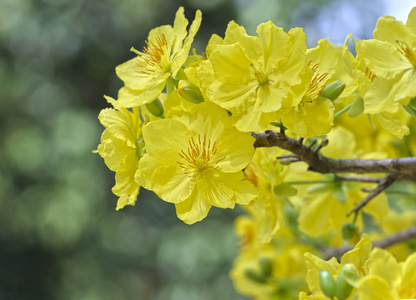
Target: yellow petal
{"x":382,"y":263}
{"x":359,"y":255}
{"x":274,"y":43}
{"x":382,"y":58}
{"x":126,"y":188}
{"x":390,"y":30}
{"x":315,"y":266}
{"x":193,"y":209}
{"x":375,"y":288}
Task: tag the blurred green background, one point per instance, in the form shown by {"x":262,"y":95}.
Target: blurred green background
{"x":60,"y":236}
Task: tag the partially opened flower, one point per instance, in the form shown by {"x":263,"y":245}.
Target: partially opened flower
{"x":167,"y":49}
{"x":121,"y":150}
{"x":195,"y":160}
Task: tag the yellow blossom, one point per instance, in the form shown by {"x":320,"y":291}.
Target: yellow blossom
{"x":195,"y":160}
{"x":166,"y":50}
{"x":121,"y":149}
{"x":252,"y":75}
{"x":390,"y":56}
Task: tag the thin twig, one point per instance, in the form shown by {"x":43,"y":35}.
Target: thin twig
{"x":396,"y":238}
{"x":384,"y":184}
{"x":311,"y":144}
{"x":359,"y":178}
{"x":286,"y":156}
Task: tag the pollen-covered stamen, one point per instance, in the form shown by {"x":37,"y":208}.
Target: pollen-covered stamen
{"x":199,"y":156}
{"x":407,"y":52}
{"x":369,"y":74}
{"x":260,"y":76}
{"x":155,"y":56}
{"x":317,"y":84}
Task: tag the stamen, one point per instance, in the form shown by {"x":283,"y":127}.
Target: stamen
{"x":155,"y":56}
{"x":316,"y":86}
{"x":199,"y":156}
{"x":369,"y":74}
{"x":407,"y":52}
{"x":261,"y":77}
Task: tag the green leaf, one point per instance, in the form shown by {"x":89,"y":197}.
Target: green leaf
{"x":357,"y":108}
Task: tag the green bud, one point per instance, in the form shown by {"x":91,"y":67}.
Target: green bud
{"x":266,"y":266}
{"x":140,"y":147}
{"x":255,"y":276}
{"x":348,"y":230}
{"x":357,"y":107}
{"x":155,"y":107}
{"x":411,"y":107}
{"x":324,"y":142}
{"x":190,"y":92}
{"x":286,"y":161}
{"x":285,"y":190}
{"x":333,"y":90}
{"x":327,"y":283}
{"x":343,"y":287}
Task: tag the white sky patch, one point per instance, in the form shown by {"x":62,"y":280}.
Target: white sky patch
{"x":399,"y":8}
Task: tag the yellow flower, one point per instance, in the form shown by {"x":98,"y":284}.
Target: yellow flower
{"x":121,"y":149}
{"x":305,"y":112}
{"x":195,"y":160}
{"x":252,"y":75}
{"x":391,"y":57}
{"x":354,"y":259}
{"x":167,"y":49}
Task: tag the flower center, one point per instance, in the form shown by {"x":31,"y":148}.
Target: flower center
{"x":155,"y":56}
{"x":407,"y":52}
{"x":198,"y":158}
{"x":316,"y":85}
{"x":260,"y":76}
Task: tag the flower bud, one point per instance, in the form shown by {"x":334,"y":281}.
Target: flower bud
{"x":266,"y":266}
{"x":343,"y":287}
{"x":140,"y":147}
{"x":155,"y":108}
{"x":190,"y":92}
{"x":348,"y":230}
{"x":253,"y":275}
{"x":333,"y":90}
{"x":327,"y":283}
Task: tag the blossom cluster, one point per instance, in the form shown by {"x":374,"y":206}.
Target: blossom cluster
{"x":182,"y":126}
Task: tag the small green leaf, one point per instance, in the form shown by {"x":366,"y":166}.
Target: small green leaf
{"x":357,"y":108}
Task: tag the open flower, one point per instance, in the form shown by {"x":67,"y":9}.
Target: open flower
{"x":252,"y":75}
{"x":391,"y":57}
{"x":167,"y":49}
{"x":195,"y":160}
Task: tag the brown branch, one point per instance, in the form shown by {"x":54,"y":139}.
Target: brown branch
{"x":383,"y":184}
{"x":405,"y":168}
{"x":396,"y":238}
